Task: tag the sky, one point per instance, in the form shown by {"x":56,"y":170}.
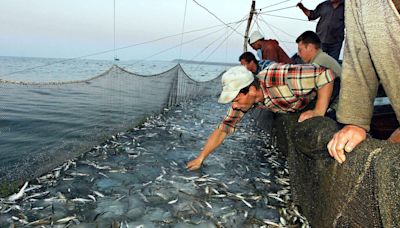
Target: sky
{"x":76,"y":28}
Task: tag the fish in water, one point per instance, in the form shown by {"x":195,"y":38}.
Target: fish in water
{"x":18,"y":195}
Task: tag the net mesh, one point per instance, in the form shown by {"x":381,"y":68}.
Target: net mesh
{"x":362,"y":192}
{"x":44,"y":124}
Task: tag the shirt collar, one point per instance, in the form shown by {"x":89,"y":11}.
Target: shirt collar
{"x":313,"y":59}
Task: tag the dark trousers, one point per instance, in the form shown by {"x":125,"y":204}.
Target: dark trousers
{"x":332,"y":49}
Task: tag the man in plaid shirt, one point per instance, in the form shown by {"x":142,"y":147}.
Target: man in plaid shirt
{"x":279,"y":87}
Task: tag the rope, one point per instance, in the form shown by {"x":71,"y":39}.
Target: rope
{"x":281,"y":30}
{"x":269,"y":11}
{"x":215,"y":41}
{"x":270,"y":27}
{"x":217,"y":17}
{"x":110,"y":50}
{"x":292,"y":18}
{"x":183,"y":30}
{"x":218,"y":46}
{"x":274,"y":4}
{"x":115,"y":56}
{"x":175,"y":46}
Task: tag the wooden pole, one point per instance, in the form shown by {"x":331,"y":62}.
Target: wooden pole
{"x":246,"y":35}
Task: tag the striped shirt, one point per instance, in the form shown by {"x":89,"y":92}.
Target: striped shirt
{"x":286,"y":88}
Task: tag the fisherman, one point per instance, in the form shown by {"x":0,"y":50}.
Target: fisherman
{"x":330,"y":27}
{"x":268,"y":49}
{"x":371,"y":56}
{"x":309,"y":49}
{"x":248,"y":60}
{"x":279,"y":87}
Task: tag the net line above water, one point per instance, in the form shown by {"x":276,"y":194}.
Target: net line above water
{"x":44,"y":124}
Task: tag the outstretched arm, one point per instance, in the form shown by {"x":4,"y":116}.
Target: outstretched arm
{"x":304,"y":9}
{"x":213,"y":142}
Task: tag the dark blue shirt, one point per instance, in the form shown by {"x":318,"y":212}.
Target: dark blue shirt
{"x":262,"y":64}
{"x":330,"y":27}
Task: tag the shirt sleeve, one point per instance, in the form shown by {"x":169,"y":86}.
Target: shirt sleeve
{"x":359,"y":81}
{"x":301,"y":78}
{"x":316,"y":13}
{"x":229,"y":122}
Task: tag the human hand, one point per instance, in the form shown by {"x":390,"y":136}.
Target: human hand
{"x":194,"y":164}
{"x":308,"y":114}
{"x":395,"y":136}
{"x":300,"y":5}
{"x":345,"y":140}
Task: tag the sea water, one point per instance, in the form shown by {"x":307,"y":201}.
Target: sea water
{"x":42,"y":125}
{"x":137,"y":176}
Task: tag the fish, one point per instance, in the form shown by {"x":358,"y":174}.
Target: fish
{"x":160,"y":177}
{"x":33,"y":187}
{"x":81,"y":200}
{"x":23,"y":221}
{"x":145,"y":184}
{"x":277,"y":198}
{"x":219,"y":196}
{"x":207,"y":190}
{"x":13,"y":207}
{"x":37,"y":195}
{"x":247,"y":203}
{"x":143,"y":197}
{"x":18,"y":195}
{"x":66,"y":219}
{"x":92,"y":198}
{"x":98,"y":194}
{"x":208,"y":204}
{"x":188,"y":178}
{"x":173,"y":201}
{"x":39,"y":222}
{"x":161,"y":195}
{"x":104,"y":175}
{"x":90,"y":163}
{"x":77,"y":174}
{"x":271,"y":223}
{"x":121,"y":170}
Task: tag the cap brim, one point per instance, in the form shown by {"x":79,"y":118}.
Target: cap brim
{"x":227,"y":97}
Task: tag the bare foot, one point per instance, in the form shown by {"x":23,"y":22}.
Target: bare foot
{"x":395,"y":137}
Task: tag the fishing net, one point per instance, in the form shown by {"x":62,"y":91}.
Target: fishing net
{"x":45,"y":124}
{"x":362,"y":192}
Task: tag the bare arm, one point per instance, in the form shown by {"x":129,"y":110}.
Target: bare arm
{"x":323,"y":97}
{"x":213,"y":142}
{"x":304,"y":9}
{"x":270,"y":52}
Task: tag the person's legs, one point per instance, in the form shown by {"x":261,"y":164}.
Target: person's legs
{"x":332,"y":49}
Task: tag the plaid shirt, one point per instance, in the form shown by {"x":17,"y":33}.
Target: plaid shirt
{"x":286,"y":88}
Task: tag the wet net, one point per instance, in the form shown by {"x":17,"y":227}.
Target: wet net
{"x":361,"y":192}
{"x":45,"y":124}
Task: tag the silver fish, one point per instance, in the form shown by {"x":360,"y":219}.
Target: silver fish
{"x":18,"y":195}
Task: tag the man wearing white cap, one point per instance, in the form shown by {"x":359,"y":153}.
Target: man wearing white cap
{"x":280,"y":88}
{"x":269,"y":49}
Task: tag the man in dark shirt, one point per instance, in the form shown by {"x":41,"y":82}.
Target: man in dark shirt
{"x":330,"y":27}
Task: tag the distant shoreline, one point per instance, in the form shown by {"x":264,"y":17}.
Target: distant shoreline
{"x":203,"y":63}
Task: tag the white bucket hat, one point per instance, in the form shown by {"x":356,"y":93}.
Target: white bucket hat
{"x":256,"y":35}
{"x":233,"y":80}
